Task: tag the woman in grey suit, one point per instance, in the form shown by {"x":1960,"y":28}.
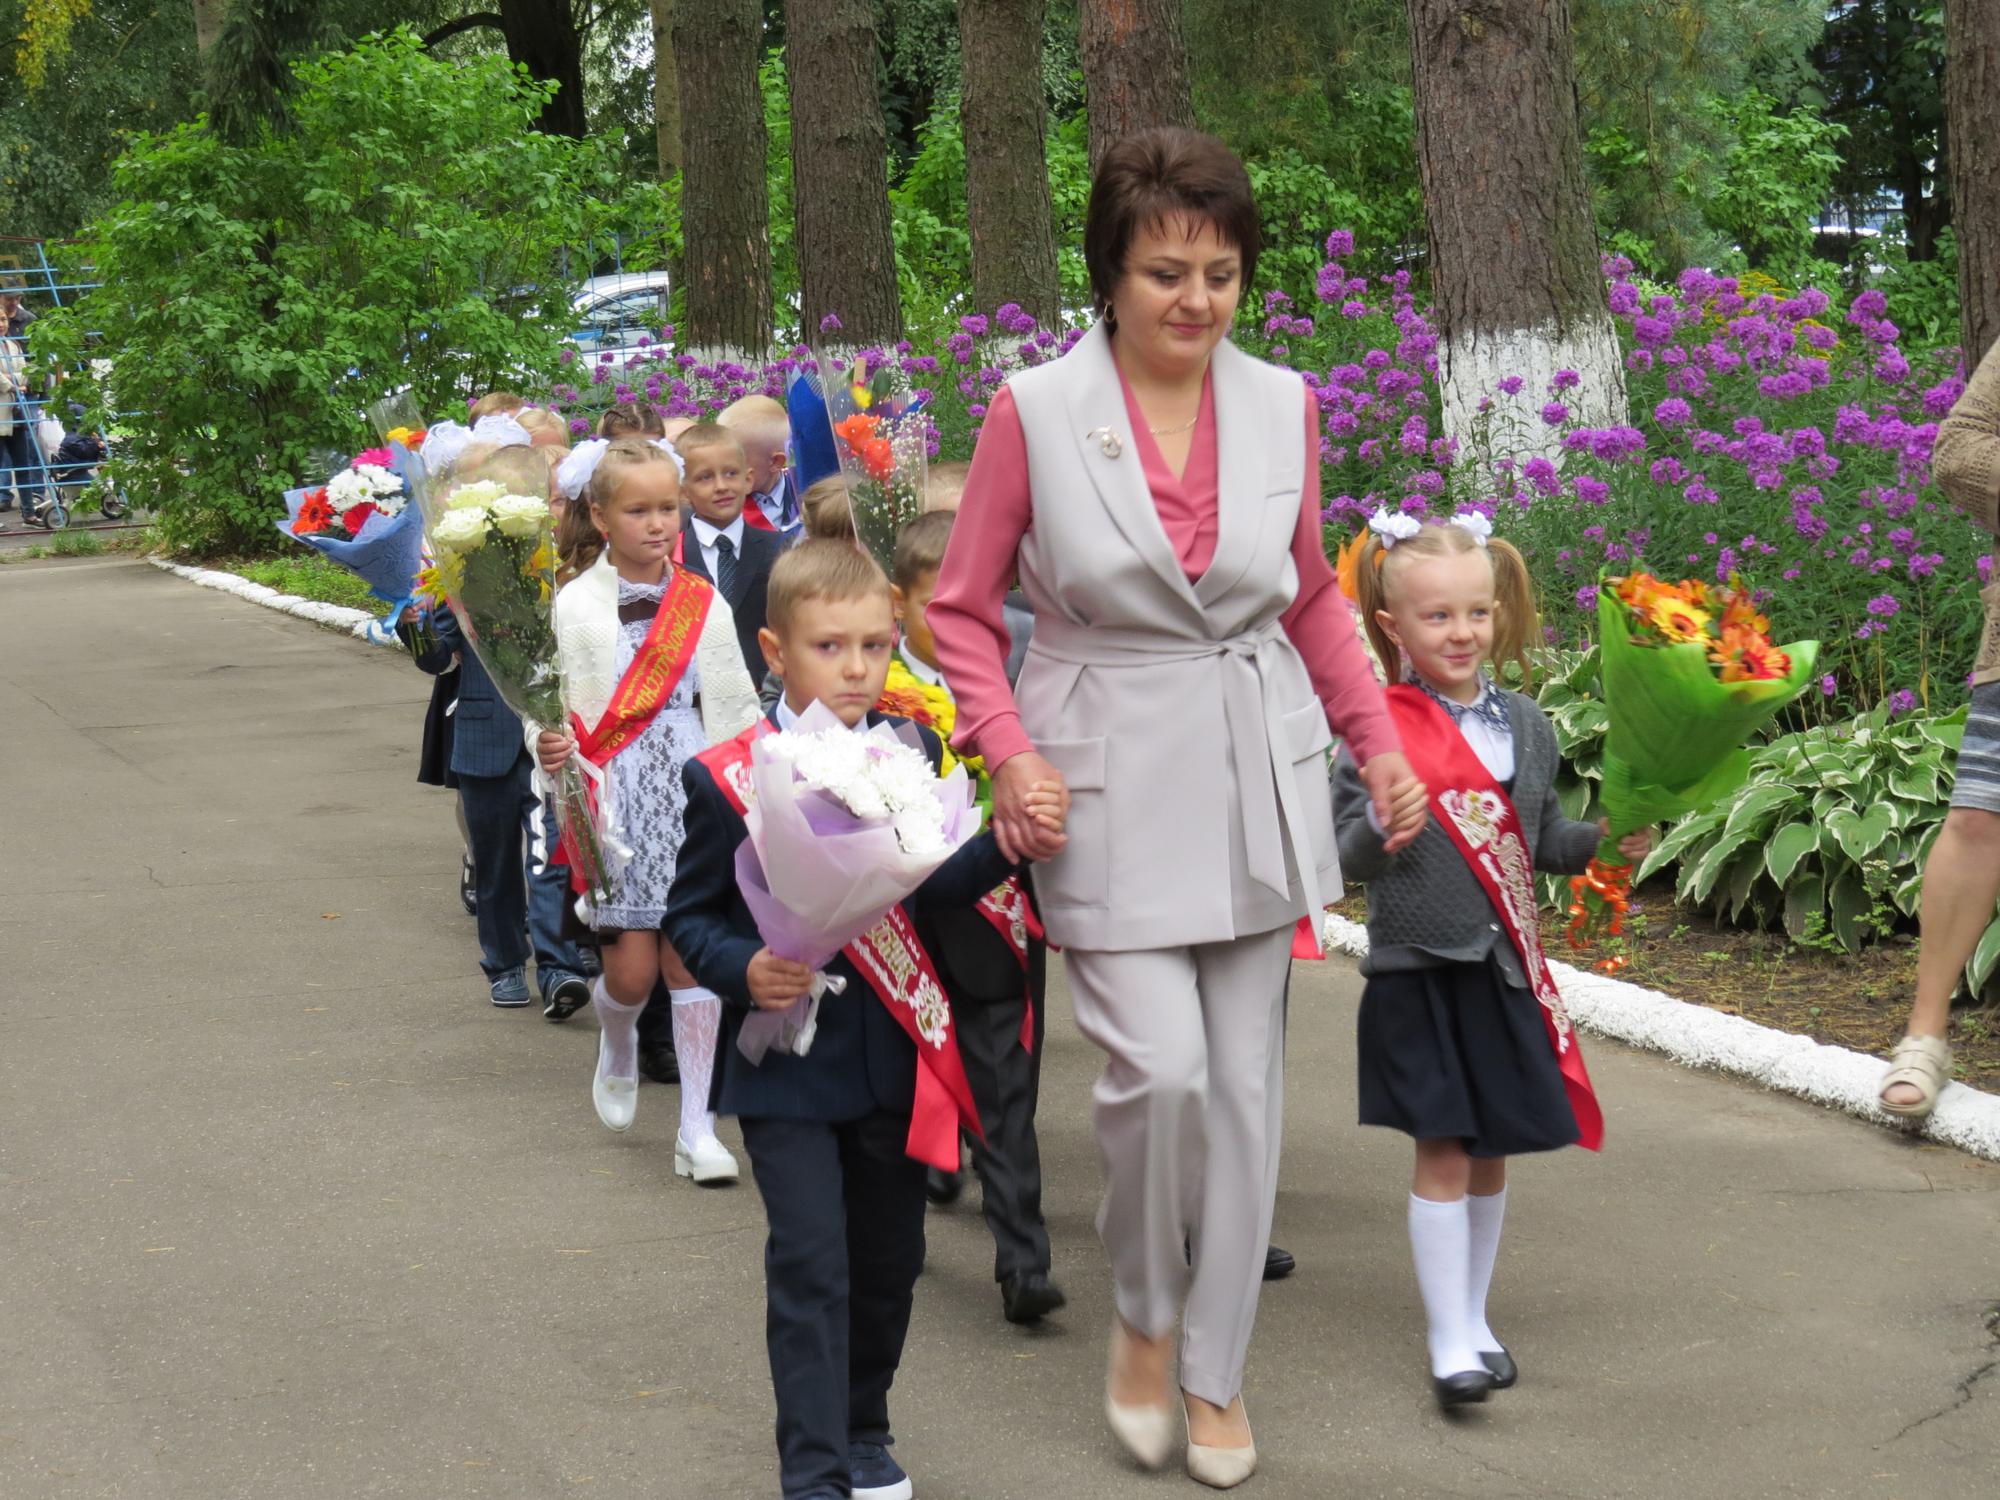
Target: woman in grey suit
{"x":1157,"y":493}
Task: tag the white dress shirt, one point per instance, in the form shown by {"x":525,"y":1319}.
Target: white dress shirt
{"x":789,"y":720}
{"x":923,"y":671}
{"x":705,"y":535}
{"x":1494,"y":749}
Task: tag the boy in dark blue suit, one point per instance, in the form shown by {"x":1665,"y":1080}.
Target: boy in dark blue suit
{"x":717,"y":542}
{"x":826,"y":1132}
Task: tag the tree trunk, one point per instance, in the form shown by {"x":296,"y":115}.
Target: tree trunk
{"x":1006,"y":158}
{"x":725,"y":205}
{"x":208,"y":18}
{"x":542,"y":37}
{"x":1972,"y":126}
{"x":1135,"y":68}
{"x":666,"y":90}
{"x":840,"y":183}
{"x":1513,"y":247}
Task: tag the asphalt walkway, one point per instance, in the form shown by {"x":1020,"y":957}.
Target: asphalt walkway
{"x":288,"y":1211}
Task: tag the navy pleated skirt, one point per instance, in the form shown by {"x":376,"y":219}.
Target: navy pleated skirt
{"x":1456,"y":1052}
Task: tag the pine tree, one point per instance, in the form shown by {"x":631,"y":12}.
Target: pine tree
{"x":1006,"y":158}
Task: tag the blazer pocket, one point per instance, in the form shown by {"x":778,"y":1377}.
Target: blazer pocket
{"x":1081,"y":874}
{"x":475,"y":708}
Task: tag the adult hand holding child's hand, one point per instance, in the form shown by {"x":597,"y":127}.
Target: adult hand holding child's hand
{"x":1402,"y":803}
{"x":1030,"y":806}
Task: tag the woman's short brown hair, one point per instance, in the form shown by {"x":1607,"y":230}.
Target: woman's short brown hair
{"x":1155,"y":175}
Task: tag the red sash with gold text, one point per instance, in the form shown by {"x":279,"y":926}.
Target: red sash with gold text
{"x":893,"y":961}
{"x":1479,"y":819}
{"x":657,"y":668}
{"x":1012,"y":914}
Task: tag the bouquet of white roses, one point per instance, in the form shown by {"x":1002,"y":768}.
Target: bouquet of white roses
{"x":843,"y":825}
{"x":492,"y":535}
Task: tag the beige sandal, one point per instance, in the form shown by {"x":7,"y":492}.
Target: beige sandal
{"x":1922,"y":1062}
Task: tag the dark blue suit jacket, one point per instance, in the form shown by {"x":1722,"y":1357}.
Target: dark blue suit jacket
{"x":761,"y":551}
{"x":487,"y":737}
{"x":861,"y":1062}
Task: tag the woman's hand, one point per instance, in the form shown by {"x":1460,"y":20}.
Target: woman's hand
{"x":553,"y":751}
{"x":776,"y":982}
{"x":1026,"y":822}
{"x":1634,"y":846}
{"x":1402,"y":803}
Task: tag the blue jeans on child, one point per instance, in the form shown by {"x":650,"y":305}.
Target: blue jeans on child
{"x":521,"y":895}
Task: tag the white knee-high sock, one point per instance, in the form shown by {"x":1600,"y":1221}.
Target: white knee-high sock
{"x":618,"y":1025}
{"x":1483,"y":1218}
{"x":697,"y":1022}
{"x":1439,"y":1241}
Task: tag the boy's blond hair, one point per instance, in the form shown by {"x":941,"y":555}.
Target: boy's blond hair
{"x":820,"y":568}
{"x":542,"y":425}
{"x":496,"y":401}
{"x":944,"y":484}
{"x":759,"y":420}
{"x":826,"y":511}
{"x":920,"y":547}
{"x":709,"y":435}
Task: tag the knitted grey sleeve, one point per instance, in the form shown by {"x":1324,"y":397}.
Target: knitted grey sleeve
{"x":1563,"y":846}
{"x":1361,"y":856}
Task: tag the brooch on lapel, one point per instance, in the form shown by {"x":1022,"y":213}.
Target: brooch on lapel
{"x":1107,"y":441}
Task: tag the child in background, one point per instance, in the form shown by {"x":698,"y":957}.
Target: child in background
{"x":766,"y":431}
{"x":996,"y":990}
{"x":826,"y":1132}
{"x":628,"y":420}
{"x":1463,"y":1043}
{"x":651,"y":674}
{"x":944,"y":484}
{"x":496,"y":402}
{"x":544,"y":428}
{"x":723,"y":548}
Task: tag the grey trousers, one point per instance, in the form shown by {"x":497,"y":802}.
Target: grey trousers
{"x":1189,"y":1113}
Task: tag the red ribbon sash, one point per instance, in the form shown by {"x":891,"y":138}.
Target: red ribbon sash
{"x":1479,"y":819}
{"x":892,"y":959}
{"x":1012,"y":914}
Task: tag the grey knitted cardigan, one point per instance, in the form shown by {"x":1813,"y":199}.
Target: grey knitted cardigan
{"x":1425,"y":908}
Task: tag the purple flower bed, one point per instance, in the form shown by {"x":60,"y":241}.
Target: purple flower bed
{"x":1773,"y":432}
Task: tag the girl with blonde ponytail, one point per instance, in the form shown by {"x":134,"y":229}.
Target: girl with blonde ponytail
{"x":1462,"y":1040}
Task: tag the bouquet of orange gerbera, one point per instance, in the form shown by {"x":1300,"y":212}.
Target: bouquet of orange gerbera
{"x":1690,"y":673}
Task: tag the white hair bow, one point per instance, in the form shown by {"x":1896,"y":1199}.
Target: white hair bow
{"x":1393,"y":526}
{"x":574,"y":473}
{"x":446,"y":441}
{"x":1480,"y":526}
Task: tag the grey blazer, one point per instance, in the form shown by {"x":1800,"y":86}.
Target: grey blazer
{"x":1180,"y":716}
{"x":1425,"y":908}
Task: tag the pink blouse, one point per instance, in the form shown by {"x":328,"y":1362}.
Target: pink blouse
{"x":971,"y":632}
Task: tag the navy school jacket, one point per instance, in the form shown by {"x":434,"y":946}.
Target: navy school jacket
{"x":861,"y":1062}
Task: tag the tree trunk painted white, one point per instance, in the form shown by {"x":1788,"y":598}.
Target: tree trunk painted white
{"x":1489,"y":423}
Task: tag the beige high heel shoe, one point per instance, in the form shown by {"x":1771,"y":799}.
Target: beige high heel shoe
{"x":1145,"y":1432}
{"x":1219,"y":1468}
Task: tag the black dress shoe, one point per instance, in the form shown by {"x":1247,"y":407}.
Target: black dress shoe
{"x":1462,"y":1388}
{"x":660,"y":1064}
{"x":1028,"y":1296}
{"x":1278,"y":1264}
{"x":468,"y":888}
{"x":943,"y":1187}
{"x":1500,"y":1364}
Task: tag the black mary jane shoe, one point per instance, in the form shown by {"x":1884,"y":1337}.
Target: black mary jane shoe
{"x":1500,"y":1365}
{"x":1029,"y":1296}
{"x":943,"y":1188}
{"x":1278,"y":1263}
{"x":1463,"y":1388}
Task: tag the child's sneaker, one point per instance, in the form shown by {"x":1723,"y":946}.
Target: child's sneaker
{"x":876,"y":1475}
{"x":511,"y":989}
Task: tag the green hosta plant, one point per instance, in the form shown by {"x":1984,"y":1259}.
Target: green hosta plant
{"x":1829,"y":834}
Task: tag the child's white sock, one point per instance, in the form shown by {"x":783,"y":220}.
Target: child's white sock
{"x":1483,"y":1217}
{"x":1439,"y":1242}
{"x":697,"y":1023}
{"x":618,"y":1045}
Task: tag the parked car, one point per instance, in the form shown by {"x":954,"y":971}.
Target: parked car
{"x":613,"y":313}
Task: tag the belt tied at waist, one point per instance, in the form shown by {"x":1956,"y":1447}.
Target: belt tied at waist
{"x":1253,"y":718}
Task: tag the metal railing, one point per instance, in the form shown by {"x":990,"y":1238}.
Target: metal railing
{"x":26,"y":268}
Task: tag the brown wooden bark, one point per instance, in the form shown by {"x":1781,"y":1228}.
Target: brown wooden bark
{"x":1135,"y":68}
{"x":1972,"y":128}
{"x":1005,"y":120}
{"x":725,"y":206}
{"x":1512,"y":241}
{"x":208,"y":18}
{"x":840,"y":182}
{"x":542,"y":37}
{"x":666,"y":90}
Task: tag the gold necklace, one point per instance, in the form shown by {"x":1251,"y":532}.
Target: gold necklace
{"x":1186,"y":426}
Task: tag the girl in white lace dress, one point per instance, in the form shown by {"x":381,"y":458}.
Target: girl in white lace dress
{"x":652,"y":674}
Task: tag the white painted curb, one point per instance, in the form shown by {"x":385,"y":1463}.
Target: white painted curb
{"x":1702,"y":1038}
{"x":355,"y":622}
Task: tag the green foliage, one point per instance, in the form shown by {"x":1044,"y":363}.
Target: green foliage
{"x":1829,"y":833}
{"x":1771,"y":185}
{"x":406,"y":233}
{"x":1923,"y":294}
{"x":308,"y":575}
